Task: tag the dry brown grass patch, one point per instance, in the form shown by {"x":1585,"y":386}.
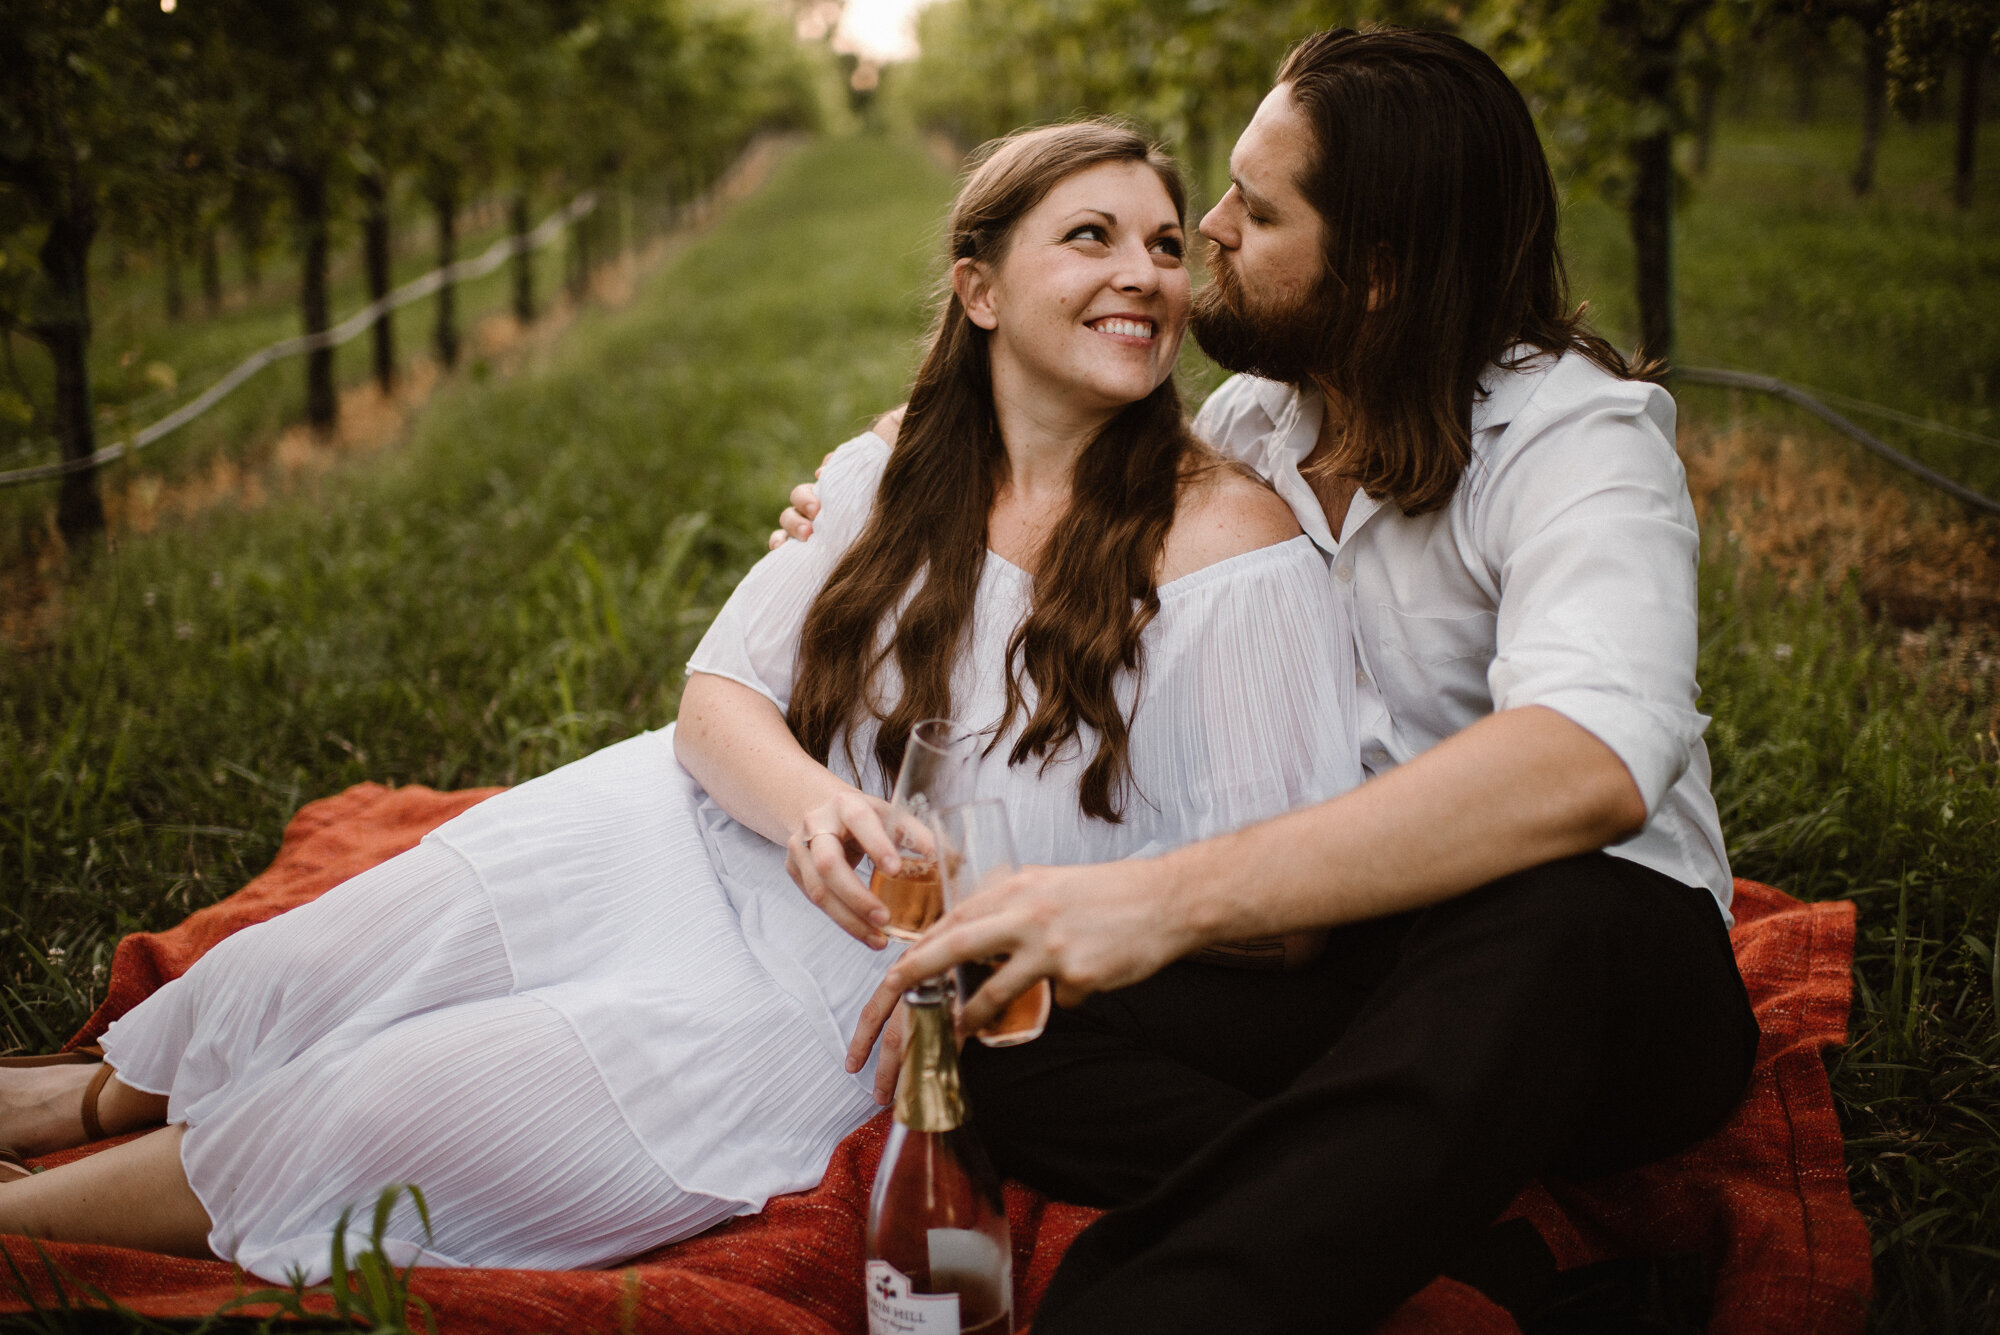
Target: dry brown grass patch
{"x":1805,"y":511}
{"x":1811,"y":517}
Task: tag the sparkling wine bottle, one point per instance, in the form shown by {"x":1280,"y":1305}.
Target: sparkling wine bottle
{"x":939,"y":1258}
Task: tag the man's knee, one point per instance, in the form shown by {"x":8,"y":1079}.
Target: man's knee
{"x":1593,"y":918}
{"x":1675,"y":1035}
{"x":1573,"y":897}
{"x":1592,"y":976}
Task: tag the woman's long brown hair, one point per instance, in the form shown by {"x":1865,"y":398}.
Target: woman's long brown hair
{"x":1094,"y":589}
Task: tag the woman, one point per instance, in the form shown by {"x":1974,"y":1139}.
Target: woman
{"x":593,"y":1014}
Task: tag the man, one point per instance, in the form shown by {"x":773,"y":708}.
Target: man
{"x":1526,"y":969}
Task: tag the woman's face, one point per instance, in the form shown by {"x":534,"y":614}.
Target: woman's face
{"x":1088,"y":304}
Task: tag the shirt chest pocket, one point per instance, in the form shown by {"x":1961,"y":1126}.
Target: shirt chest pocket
{"x":1435,"y":667}
{"x":1437,"y":640}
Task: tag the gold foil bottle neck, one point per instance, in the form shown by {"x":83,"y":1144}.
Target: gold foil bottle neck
{"x":929,"y":1097}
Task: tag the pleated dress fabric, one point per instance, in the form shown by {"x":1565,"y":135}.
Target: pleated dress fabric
{"x":592,"y":1014}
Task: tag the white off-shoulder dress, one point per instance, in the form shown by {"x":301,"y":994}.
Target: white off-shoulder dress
{"x":593,"y":1015}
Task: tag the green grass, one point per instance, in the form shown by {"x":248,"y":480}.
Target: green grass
{"x":1894,"y":299}
{"x":1840,"y":775}
{"x":521,"y":580}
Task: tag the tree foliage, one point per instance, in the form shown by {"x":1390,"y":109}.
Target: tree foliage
{"x":1191,"y":71}
{"x":1616,"y":85}
{"x":82,"y":104}
{"x":163,"y":117}
{"x":1926,"y":35}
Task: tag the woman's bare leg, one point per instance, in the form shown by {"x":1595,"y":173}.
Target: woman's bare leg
{"x":41,"y":1107}
{"x":131,"y":1195}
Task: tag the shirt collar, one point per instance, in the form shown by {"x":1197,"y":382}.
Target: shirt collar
{"x":1295,"y":418}
{"x":1296,"y":414}
{"x":1504,"y":390}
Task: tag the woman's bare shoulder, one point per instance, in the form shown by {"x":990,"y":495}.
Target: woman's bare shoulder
{"x":1225,"y":510}
{"x":888,"y":424}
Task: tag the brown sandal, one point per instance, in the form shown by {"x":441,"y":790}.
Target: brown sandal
{"x":92,"y":1128}
{"x":90,"y":1054}
{"x":12,"y":1161}
{"x":82,"y":1056}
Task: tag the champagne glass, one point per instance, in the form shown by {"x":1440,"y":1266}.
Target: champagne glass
{"x":976,"y":847}
{"x":936,"y":762}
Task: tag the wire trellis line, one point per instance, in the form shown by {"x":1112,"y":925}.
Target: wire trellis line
{"x":1907,"y":419}
{"x":1776,"y":388}
{"x":352,"y":327}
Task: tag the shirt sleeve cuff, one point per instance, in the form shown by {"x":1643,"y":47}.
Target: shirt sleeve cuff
{"x":1653,"y":743}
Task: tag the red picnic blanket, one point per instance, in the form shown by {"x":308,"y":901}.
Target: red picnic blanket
{"x":1765,"y":1201}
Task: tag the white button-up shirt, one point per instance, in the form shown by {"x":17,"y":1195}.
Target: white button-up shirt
{"x":1561,"y":573}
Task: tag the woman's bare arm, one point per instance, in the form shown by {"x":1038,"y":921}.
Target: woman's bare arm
{"x":736,"y":745}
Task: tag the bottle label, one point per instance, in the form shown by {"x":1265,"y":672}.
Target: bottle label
{"x":966,"y":1259}
{"x":894,"y":1310}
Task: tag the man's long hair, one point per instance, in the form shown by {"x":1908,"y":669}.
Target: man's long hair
{"x":1094,"y":587}
{"x":1440,"y":213}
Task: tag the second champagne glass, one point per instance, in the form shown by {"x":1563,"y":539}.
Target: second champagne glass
{"x":976,"y":847}
{"x":932,"y":776}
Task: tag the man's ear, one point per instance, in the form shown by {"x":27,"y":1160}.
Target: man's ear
{"x":970,"y":280}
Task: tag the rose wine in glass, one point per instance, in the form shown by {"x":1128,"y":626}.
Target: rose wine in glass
{"x":912,"y":895}
{"x":1025,"y":1016}
{"x":940,"y":1261}
{"x":977,"y":848}
{"x":931,"y":778}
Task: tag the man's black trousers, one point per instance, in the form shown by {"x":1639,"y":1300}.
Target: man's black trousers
{"x":1302,"y":1151}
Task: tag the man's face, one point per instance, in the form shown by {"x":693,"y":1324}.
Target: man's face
{"x":1265,"y":307}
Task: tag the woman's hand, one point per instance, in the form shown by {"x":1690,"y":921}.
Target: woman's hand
{"x":835,"y":835}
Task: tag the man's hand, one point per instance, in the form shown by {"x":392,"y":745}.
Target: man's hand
{"x":889,"y":1070}
{"x":796,"y":521}
{"x":1088,"y":929}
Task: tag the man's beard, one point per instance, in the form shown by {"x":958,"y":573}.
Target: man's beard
{"x":1292,"y":344}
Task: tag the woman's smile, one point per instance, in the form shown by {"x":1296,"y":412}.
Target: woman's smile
{"x":1136,"y":330}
